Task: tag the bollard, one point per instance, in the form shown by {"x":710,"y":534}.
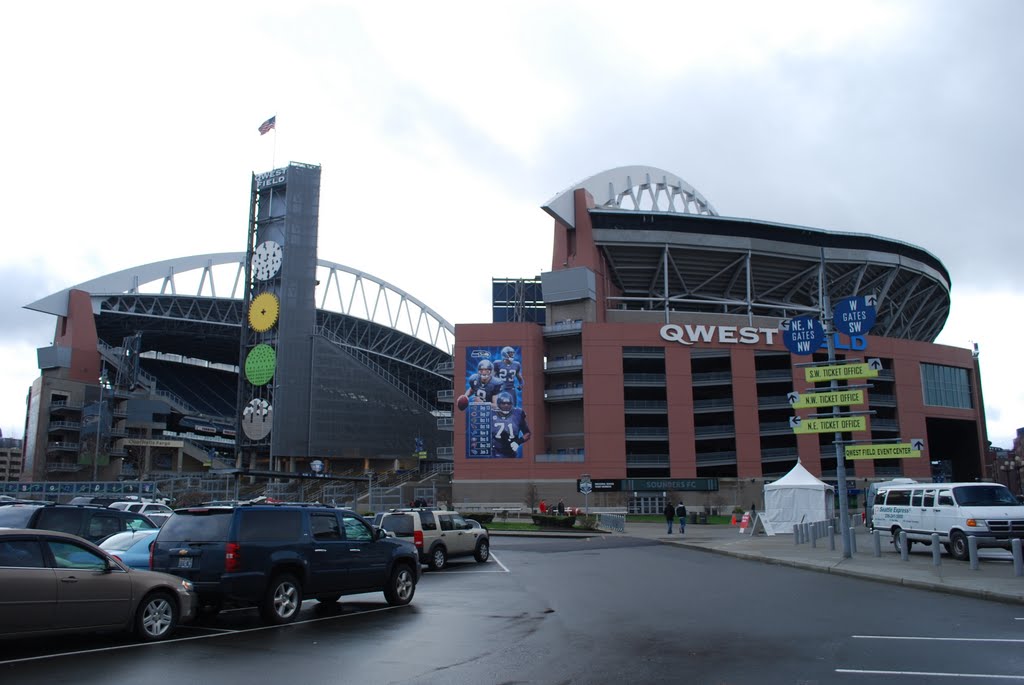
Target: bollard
{"x":1018,"y":558}
{"x":972,"y":549}
{"x":876,"y":537}
{"x":853,"y":540}
{"x":814,"y":536}
{"x":936,"y":550}
{"x":796,"y":534}
{"x":832,"y":538}
{"x":904,"y":550}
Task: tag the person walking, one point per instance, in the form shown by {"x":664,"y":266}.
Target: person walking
{"x":561,"y":508}
{"x":681,"y":513}
{"x":670,"y":513}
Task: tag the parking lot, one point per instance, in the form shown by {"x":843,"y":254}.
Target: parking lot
{"x":608,"y":609}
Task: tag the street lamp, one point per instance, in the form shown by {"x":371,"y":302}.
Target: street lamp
{"x":104,"y":385}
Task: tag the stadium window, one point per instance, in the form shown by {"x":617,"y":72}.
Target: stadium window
{"x":946,"y":386}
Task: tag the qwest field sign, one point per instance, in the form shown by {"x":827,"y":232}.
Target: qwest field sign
{"x":842,"y":398}
{"x":902,"y":450}
{"x":838,"y":424}
{"x":817,"y":374}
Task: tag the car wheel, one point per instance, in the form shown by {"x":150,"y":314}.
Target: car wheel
{"x":483,"y":551}
{"x":157,"y":617}
{"x":401,"y":586}
{"x":438,"y":558}
{"x":329,"y":599}
{"x":283,"y":599}
{"x":896,"y":540}
{"x":958,"y":546}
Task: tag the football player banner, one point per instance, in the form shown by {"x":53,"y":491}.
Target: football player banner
{"x":496,"y":425}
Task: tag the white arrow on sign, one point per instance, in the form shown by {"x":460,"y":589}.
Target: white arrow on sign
{"x":794,"y":421}
{"x":875,"y":363}
{"x":917,"y":444}
{"x":871,"y":300}
{"x":784,"y":324}
{"x":793,"y":397}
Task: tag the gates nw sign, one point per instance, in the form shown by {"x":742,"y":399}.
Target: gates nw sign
{"x":901,"y":450}
{"x":836,"y":424}
{"x":841,"y":398}
{"x":839,"y":372}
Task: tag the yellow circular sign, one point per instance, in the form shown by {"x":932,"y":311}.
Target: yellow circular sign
{"x":263,"y":311}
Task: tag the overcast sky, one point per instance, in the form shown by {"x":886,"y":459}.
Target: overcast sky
{"x":130,"y":135}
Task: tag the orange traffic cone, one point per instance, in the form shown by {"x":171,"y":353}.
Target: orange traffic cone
{"x":733,"y":520}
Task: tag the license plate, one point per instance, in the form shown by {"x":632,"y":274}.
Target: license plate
{"x":184,"y":562}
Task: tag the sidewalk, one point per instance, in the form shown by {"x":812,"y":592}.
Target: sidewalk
{"x":994,"y":579}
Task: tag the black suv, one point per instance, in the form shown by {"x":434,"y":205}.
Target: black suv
{"x":90,"y":522}
{"x":275,"y":555}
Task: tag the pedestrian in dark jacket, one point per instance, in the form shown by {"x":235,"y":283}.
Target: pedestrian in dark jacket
{"x":561,"y":508}
{"x":681,"y":513}
{"x":670,"y":513}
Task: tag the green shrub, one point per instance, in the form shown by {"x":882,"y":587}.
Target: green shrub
{"x":481,"y":517}
{"x":549,"y":521}
{"x":586,"y":522}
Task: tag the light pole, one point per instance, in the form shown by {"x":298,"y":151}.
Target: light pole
{"x":104,"y":384}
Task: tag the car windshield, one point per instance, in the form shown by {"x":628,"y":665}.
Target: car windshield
{"x":401,"y":525}
{"x":199,"y":525}
{"x":118,"y":542}
{"x":984,"y":496}
{"x":13,"y":516}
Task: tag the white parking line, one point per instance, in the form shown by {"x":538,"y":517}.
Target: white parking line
{"x":935,"y":639}
{"x":933,"y":674}
{"x":221,"y":632}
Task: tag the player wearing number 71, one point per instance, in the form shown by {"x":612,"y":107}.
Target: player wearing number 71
{"x":509,"y":429}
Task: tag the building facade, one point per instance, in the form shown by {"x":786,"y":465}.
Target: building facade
{"x":662,"y":369}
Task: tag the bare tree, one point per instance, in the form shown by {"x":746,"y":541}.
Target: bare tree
{"x":531,"y":496}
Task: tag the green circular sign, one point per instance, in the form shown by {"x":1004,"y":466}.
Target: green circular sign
{"x":260,"y":364}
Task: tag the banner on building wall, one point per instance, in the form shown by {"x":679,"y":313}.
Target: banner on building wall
{"x":496,"y":425}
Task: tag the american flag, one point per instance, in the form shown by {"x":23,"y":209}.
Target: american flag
{"x":268,"y":124}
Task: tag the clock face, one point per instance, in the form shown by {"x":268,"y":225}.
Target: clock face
{"x":260,"y":364}
{"x":257,"y":419}
{"x":263,"y":312}
{"x":266,"y":260}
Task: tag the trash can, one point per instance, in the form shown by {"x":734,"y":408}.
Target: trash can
{"x":693,"y":517}
{"x":703,"y":517}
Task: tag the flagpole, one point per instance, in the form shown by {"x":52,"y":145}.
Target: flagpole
{"x":273,"y":155}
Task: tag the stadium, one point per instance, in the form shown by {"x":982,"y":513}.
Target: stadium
{"x":355,"y":388}
{"x":652,"y":360}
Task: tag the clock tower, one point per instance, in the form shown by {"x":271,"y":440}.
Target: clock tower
{"x":275,"y":350}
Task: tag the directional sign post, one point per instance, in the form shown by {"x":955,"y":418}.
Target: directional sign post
{"x":840,"y":372}
{"x":804,"y":335}
{"x":843,"y":398}
{"x":586,"y":487}
{"x":855,"y":315}
{"x":829,"y":424}
{"x":902,"y":450}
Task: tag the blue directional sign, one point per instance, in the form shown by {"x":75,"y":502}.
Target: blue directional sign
{"x":804,"y":336}
{"x":854,"y":315}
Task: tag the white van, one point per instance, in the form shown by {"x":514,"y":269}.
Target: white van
{"x":988,"y":511}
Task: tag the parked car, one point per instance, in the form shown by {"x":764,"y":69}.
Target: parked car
{"x":275,"y":555}
{"x":439,"y":534}
{"x":146,"y":508}
{"x":90,"y":522}
{"x":988,"y":512}
{"x":131,"y":547}
{"x":52,"y":582}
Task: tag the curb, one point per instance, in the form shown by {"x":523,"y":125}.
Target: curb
{"x":835,"y":568}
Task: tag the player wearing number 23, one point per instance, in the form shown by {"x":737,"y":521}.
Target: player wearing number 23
{"x":509,"y":427}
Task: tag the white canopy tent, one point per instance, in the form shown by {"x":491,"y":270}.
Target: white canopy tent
{"x":797,"y":497}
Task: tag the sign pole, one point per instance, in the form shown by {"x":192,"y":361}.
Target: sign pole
{"x":844,"y":505}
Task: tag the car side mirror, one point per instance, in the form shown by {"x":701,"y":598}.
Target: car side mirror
{"x":379,"y":533}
